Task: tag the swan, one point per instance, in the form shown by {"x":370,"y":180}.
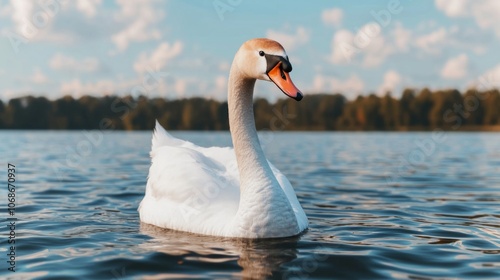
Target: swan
{"x":221,"y":191}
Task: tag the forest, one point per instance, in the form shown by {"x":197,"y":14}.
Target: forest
{"x":416,"y":110}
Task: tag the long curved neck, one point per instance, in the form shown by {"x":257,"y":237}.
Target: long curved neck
{"x":252,"y":163}
{"x":262,"y":201}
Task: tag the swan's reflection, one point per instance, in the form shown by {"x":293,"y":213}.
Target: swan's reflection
{"x":257,"y":258}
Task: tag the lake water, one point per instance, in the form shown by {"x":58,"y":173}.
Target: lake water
{"x":380,"y":205}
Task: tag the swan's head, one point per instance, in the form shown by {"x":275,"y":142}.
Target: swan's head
{"x":265,"y":59}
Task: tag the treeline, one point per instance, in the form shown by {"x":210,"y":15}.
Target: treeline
{"x":415,"y":110}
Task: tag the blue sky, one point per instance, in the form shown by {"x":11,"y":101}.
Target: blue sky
{"x":176,"y":49}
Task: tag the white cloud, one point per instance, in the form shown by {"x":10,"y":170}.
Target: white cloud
{"x":180,"y":87}
{"x":401,"y":37}
{"x":350,"y":87}
{"x":186,"y":87}
{"x":224,"y":66}
{"x":35,"y":21}
{"x":454,"y":37}
{"x":342,"y":49}
{"x":381,"y":46}
{"x":376,"y":52}
{"x":5,"y":9}
{"x":62,"y":62}
{"x":489,"y":79}
{"x":456,"y":67}
{"x":76,"y":88}
{"x":368,"y":43}
{"x":371,"y":45}
{"x":220,"y":89}
{"x":453,"y":8}
{"x":290,"y":41}
{"x":8,"y":93}
{"x":140,"y":18}
{"x":469,"y":38}
{"x":158,"y":58}
{"x":332,"y":17}
{"x":64,"y":21}
{"x":392,"y":80}
{"x":22,"y":11}
{"x":88,"y":7}
{"x":165,"y":86}
{"x":120,"y":86}
{"x":433,"y":42}
{"x":485,"y":12}
{"x":38,"y":77}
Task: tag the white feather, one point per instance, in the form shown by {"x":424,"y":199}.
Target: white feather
{"x":197,"y":189}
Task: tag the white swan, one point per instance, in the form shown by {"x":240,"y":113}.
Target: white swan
{"x":221,"y":191}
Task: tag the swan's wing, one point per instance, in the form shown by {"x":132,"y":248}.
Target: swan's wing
{"x":188,"y":187}
{"x":292,"y":197}
{"x":188,"y":191}
{"x":162,"y":138}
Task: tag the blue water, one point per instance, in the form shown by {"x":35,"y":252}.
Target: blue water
{"x":380,"y":205}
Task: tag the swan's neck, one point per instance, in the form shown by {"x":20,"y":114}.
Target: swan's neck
{"x":262,"y":200}
{"x":252,"y":163}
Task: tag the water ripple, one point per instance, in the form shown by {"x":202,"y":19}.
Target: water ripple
{"x":369,"y":217}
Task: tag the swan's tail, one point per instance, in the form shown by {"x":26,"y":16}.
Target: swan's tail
{"x":162,"y":138}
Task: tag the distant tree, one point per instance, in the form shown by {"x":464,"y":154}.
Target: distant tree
{"x":140,"y":117}
{"x":425,"y":110}
{"x":28,"y":113}
{"x":2,"y":115}
{"x":90,"y":113}
{"x":170,"y":114}
{"x":329,"y":111}
{"x":446,"y":112}
{"x":307,"y":113}
{"x":389,"y":111}
{"x":263,"y":113}
{"x":492,"y":107}
{"x":371,"y":109}
{"x":473,"y":108}
{"x":348,"y":119}
{"x":66,"y":114}
{"x":222,"y":117}
{"x":421,"y":107}
{"x":196,"y":115}
{"x":286,"y":115}
{"x":406,"y":114}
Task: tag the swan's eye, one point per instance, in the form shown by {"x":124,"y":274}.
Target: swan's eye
{"x":261,"y":53}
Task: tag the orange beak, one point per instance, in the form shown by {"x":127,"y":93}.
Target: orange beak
{"x":283,"y":81}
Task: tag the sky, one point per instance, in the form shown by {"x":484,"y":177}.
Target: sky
{"x":184,"y":48}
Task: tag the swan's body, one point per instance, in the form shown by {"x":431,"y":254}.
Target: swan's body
{"x":224,"y":191}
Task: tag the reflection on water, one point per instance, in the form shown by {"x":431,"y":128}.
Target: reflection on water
{"x":257,"y":258}
{"x":373,"y":215}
